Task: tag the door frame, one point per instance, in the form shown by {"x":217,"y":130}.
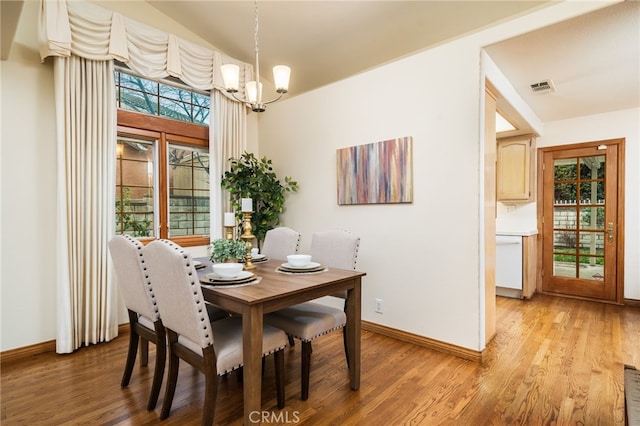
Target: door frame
{"x":620,"y":143}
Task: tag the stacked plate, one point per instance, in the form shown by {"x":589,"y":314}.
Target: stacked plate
{"x":243,"y":278}
{"x":259,"y":258}
{"x":310,"y":267}
{"x":199,"y":265}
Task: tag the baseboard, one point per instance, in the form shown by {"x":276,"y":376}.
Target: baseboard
{"x":41,"y":348}
{"x":27,"y":351}
{"x":464,"y":353}
{"x":632,"y":302}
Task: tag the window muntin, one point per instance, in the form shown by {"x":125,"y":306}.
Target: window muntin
{"x":164,"y":99}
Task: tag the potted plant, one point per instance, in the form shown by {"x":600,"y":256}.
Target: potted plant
{"x":223,"y":250}
{"x":250,"y":177}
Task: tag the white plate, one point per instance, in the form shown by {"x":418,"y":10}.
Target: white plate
{"x":241,"y":276}
{"x":309,"y":265}
{"x":258,"y":257}
{"x":197,"y":263}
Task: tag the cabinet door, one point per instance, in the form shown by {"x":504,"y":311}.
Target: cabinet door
{"x":515,"y":170}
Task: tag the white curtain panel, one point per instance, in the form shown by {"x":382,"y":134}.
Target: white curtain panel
{"x":86,"y":145}
{"x":227,"y":139}
{"x":69,"y":31}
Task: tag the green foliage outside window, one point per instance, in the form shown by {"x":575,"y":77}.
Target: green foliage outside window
{"x":128,"y":224}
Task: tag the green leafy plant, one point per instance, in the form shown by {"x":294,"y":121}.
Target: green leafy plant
{"x":250,"y":177}
{"x":223,"y":250}
{"x":139,"y":228}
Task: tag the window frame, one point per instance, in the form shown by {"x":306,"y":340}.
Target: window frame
{"x":165,"y":131}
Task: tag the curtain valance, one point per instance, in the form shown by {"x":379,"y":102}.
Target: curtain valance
{"x":92,"y":32}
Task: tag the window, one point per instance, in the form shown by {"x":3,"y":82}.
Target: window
{"x":135,"y":204}
{"x":188,"y":180}
{"x":167,"y":99}
{"x":162,"y":175}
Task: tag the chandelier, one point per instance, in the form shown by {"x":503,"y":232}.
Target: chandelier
{"x":253,"y":89}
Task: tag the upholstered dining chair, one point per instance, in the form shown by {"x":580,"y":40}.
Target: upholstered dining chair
{"x":336,"y":248}
{"x":308,"y":321}
{"x":214,"y":348}
{"x":144,"y":319}
{"x":280,"y":242}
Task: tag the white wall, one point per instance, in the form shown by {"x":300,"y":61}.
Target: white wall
{"x":433,"y":97}
{"x":423,"y":259}
{"x":28,"y":167}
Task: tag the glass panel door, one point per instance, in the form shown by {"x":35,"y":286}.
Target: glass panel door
{"x":580,"y":220}
{"x":578,"y":217}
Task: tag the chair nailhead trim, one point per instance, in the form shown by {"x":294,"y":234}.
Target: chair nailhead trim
{"x":321,"y":334}
{"x":143,"y":265}
{"x":188,"y":265}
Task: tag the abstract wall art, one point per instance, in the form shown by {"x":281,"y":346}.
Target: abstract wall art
{"x":376,"y":173}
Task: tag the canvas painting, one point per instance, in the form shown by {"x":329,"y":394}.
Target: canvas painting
{"x":376,"y":173}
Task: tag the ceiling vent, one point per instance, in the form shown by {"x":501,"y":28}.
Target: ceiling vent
{"x":541,"y":87}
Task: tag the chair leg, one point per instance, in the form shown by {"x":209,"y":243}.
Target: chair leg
{"x":210,"y":389}
{"x":158,"y":372}
{"x":278,"y":359}
{"x":172,"y":378}
{"x":210,"y":395}
{"x":133,"y":348}
{"x":144,"y":351}
{"x":306,"y":370}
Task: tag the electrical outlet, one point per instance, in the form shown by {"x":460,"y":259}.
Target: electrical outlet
{"x":379,"y":306}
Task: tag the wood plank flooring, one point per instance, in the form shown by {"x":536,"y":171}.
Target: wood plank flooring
{"x":554,"y":361}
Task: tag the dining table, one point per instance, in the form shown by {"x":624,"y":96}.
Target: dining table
{"x":273,"y":290}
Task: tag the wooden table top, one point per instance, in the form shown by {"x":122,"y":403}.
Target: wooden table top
{"x":276,"y":285}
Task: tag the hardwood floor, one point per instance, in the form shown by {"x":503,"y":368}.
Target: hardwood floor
{"x":554,"y":361}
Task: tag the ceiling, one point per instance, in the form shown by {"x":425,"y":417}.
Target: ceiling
{"x":326,"y":41}
{"x":593,"y":60}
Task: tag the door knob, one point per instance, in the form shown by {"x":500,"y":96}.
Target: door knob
{"x":610,"y":232}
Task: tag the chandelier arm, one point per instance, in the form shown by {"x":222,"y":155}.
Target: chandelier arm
{"x":273,"y":100}
{"x":281,"y":77}
{"x":233,"y":93}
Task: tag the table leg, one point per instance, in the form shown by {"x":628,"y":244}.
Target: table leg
{"x":252,"y":358}
{"x":353,"y":333}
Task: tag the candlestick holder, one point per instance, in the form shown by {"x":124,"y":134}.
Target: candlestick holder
{"x":247,"y":236}
{"x":228,"y":231}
